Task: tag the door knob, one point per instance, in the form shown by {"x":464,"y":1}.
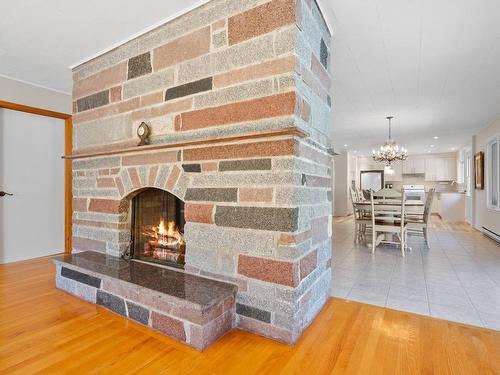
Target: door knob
{"x":3,"y":193}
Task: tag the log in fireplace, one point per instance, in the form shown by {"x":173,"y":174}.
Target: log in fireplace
{"x":158,"y":228}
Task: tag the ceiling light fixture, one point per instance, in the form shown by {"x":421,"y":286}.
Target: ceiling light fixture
{"x":436,"y":137}
{"x":432,"y":145}
{"x":345,"y":145}
{"x":390,"y":151}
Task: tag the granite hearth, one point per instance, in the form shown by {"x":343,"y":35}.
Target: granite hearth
{"x":189,"y":308}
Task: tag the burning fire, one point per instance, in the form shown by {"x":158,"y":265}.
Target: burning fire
{"x":166,"y":241}
{"x":169,"y":236}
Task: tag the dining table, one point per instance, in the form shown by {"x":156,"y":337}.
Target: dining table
{"x":412,"y":207}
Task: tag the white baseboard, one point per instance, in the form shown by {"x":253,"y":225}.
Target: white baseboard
{"x":491,"y":234}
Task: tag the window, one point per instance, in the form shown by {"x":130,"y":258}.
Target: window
{"x":493,"y":173}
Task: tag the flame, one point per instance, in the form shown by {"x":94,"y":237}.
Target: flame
{"x":169,"y":235}
{"x":161,"y":228}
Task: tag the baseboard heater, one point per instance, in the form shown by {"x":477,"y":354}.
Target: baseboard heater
{"x":491,"y":234}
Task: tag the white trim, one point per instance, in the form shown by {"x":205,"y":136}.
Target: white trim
{"x":141,"y":32}
{"x":324,"y":5}
{"x":487,"y":174}
{"x":490,"y":234}
{"x":35,"y":84}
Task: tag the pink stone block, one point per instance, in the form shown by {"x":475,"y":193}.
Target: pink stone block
{"x":169,"y":326}
{"x":203,"y":336}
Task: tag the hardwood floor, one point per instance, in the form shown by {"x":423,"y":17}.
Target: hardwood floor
{"x":44,"y":330}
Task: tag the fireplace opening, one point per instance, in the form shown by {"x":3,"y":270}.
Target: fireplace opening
{"x":158,"y":228}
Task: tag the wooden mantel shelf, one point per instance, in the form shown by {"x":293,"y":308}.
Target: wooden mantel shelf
{"x":292,"y":131}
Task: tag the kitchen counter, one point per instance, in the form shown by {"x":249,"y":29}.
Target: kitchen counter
{"x":450,"y":205}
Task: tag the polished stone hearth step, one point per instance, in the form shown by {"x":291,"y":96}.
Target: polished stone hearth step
{"x":186,"y":307}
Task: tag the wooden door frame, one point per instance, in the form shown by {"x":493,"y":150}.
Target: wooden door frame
{"x":68,"y":170}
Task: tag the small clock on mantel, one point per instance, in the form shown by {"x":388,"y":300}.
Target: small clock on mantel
{"x":143,"y":132}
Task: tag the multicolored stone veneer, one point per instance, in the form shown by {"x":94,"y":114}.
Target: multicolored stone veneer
{"x":258,"y":211}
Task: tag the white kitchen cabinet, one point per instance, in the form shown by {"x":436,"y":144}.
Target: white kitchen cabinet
{"x":449,"y":169}
{"x":414,"y":165}
{"x":440,"y":169}
{"x":450,"y":206}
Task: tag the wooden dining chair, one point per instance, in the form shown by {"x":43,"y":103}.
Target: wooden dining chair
{"x":361,"y":220}
{"x":420,"y":223}
{"x":388,"y":218}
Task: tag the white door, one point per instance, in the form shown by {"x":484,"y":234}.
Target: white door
{"x":31,"y":168}
{"x":468,"y":186}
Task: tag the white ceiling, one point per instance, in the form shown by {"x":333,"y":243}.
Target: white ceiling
{"x":433,"y":64}
{"x":41,"y":40}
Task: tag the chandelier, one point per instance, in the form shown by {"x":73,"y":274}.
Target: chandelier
{"x":390,"y":151}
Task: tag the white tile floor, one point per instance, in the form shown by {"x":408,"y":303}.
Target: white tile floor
{"x":457,"y":278}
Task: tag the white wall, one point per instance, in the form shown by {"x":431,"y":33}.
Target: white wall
{"x":345,"y":169}
{"x":484,"y":217}
{"x":31,"y":221}
{"x":34,"y":96}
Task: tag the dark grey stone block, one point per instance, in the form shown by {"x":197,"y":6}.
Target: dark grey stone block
{"x":264,"y":218}
{"x":111,"y":302}
{"x":81,"y":277}
{"x":190,"y":88}
{"x":323,"y":54}
{"x":196,"y":168}
{"x":245,"y":165}
{"x":253,"y":312}
{"x":212,"y":194}
{"x":138,"y":313}
{"x":139,"y":65}
{"x":93,"y":101}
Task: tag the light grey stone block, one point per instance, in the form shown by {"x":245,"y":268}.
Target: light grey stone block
{"x":245,"y":179}
{"x":226,"y":263}
{"x":86,"y":292}
{"x":286,"y":83}
{"x":102,"y":234}
{"x":219,"y":39}
{"x":293,"y":252}
{"x":182,"y":186}
{"x":161,"y":177}
{"x":84,"y":183}
{"x":97,"y":163}
{"x":203,"y":258}
{"x":286,"y":195}
{"x":143,"y":175}
{"x":127,"y":183}
{"x":234,"y":94}
{"x":118,"y":128}
{"x":66,"y":284}
{"x":235,"y":240}
{"x":148,"y":83}
{"x":284,"y":41}
{"x":97,"y":216}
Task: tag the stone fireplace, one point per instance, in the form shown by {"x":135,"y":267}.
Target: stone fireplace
{"x":236,"y":93}
{"x":157,"y":228}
